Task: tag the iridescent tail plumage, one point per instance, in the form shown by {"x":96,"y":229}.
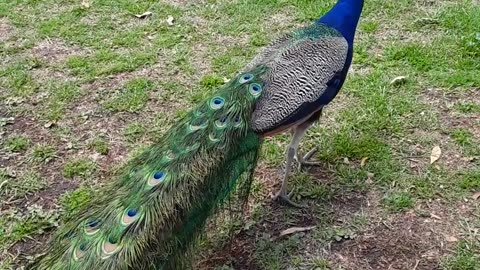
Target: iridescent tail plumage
{"x":151,"y":211}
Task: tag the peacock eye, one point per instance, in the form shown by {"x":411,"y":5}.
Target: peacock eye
{"x":217,"y":103}
{"x":237,"y":121}
{"x":158,"y":175}
{"x":245,"y":78}
{"x":93,"y":223}
{"x":129,"y":216}
{"x":80,"y":252}
{"x":132,"y":212}
{"x":222,"y":122}
{"x":112,"y":240}
{"x":92,"y":226}
{"x":255,"y":89}
{"x":157,"y":178}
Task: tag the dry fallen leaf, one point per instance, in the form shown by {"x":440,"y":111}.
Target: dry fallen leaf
{"x":398,"y":80}
{"x":49,"y":124}
{"x":364,"y":160}
{"x":476,"y":195}
{"x":295,"y":230}
{"x":144,"y":15}
{"x":451,"y":238}
{"x":436,"y":153}
{"x":170,"y":20}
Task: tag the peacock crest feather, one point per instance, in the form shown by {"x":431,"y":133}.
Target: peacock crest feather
{"x":155,"y":206}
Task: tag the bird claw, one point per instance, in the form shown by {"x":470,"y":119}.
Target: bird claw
{"x":285,"y":198}
{"x":302,"y":162}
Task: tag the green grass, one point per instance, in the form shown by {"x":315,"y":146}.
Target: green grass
{"x":468,"y":107}
{"x":78,"y":167}
{"x":17,"y":143}
{"x":398,"y":201}
{"x":108,"y":83}
{"x":466,"y":258}
{"x":43,"y":153}
{"x":133,"y":97}
{"x":74,"y":200}
{"x":100,"y":145}
{"x":27,"y":184}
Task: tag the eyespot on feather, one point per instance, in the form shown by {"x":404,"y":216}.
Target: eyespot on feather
{"x":92,"y":226}
{"x":217,"y":103}
{"x":197,"y":124}
{"x":222,"y":122}
{"x":156,"y":178}
{"x":255,"y":89}
{"x":109,"y":248}
{"x":79,"y":252}
{"x":237,"y":120}
{"x":129,"y":216}
{"x":245,"y":78}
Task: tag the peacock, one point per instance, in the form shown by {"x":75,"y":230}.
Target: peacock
{"x":307,"y":69}
{"x":154,"y":207}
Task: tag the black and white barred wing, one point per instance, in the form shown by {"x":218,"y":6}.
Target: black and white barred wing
{"x":301,"y":66}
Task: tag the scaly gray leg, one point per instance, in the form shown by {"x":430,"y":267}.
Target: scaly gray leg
{"x":292,"y":149}
{"x":292,"y":153}
{"x":304,"y":161}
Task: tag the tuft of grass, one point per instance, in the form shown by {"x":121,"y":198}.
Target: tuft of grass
{"x":462,"y":136}
{"x":465,"y":258}
{"x":468,"y":107}
{"x":398,"y":201}
{"x":60,"y":97}
{"x":211,"y":82}
{"x":469,"y":180}
{"x":78,"y":167}
{"x":269,"y":254}
{"x":134,"y":131}
{"x":16,"y":226}
{"x":320,"y":264}
{"x":100,"y":145}
{"x":17,"y":143}
{"x":132,"y":98}
{"x":466,"y":140}
{"x":43,"y":153}
{"x":27,"y":183}
{"x":18,"y":80}
{"x":73,"y":201}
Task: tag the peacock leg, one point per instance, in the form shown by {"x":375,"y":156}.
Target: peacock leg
{"x":303,"y":161}
{"x":292,"y":149}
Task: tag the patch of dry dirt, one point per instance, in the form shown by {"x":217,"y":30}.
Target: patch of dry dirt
{"x":6,"y":29}
{"x":453,"y":158}
{"x":56,"y":50}
{"x":405,"y":241}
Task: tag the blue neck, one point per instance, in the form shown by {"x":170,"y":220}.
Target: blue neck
{"x":344,"y":17}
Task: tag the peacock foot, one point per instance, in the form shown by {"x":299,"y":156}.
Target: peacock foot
{"x":282,"y":197}
{"x":304,"y":161}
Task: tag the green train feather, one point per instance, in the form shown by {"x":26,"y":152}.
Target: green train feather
{"x":150,"y":213}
